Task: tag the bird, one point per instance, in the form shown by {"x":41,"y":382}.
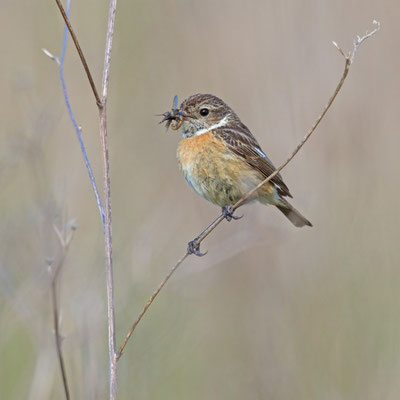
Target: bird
{"x":222,"y":160}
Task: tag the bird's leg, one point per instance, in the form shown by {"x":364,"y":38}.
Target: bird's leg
{"x":228,"y":213}
{"x":194,"y":245}
{"x":194,"y":248}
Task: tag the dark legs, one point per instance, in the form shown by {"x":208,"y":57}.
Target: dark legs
{"x":228,"y":213}
{"x":194,"y":245}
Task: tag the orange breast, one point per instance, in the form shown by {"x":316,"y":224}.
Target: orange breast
{"x":190,"y":149}
{"x":215,"y":172}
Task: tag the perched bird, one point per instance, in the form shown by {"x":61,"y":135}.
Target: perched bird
{"x":221,"y":159}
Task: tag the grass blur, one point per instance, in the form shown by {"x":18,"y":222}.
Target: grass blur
{"x":272,"y":312}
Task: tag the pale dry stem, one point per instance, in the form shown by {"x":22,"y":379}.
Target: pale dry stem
{"x":107,"y":203}
{"x":54,"y":270}
{"x":349,"y":58}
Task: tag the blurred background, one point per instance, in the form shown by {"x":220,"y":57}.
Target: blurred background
{"x":272,"y":312}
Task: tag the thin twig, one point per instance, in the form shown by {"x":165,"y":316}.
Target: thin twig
{"x":349,"y":58}
{"x":107,"y":203}
{"x":78,"y":48}
{"x":153,"y":296}
{"x":55,"y":273}
{"x":77,"y":127}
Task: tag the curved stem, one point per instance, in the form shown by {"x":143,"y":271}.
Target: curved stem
{"x":348,"y":61}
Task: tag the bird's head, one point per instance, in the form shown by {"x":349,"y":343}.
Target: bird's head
{"x":201,"y":113}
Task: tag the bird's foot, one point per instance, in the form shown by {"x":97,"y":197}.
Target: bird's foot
{"x":194,"y":248}
{"x":228,"y":213}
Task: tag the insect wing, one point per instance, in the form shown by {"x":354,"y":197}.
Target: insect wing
{"x":175,"y":103}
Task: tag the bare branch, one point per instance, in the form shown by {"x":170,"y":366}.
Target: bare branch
{"x":153,"y":296}
{"x":82,"y":57}
{"x":77,"y":128}
{"x":55,"y":272}
{"x":196,"y":242}
{"x":357,"y":43}
{"x":107,"y":203}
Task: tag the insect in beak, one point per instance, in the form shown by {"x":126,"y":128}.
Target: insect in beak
{"x":173,"y":118}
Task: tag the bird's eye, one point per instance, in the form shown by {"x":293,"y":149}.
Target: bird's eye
{"x":204,"y":112}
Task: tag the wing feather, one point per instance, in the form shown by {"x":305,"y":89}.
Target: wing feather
{"x":240,"y":140}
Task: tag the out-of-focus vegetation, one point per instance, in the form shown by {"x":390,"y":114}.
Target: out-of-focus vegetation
{"x":272,"y":311}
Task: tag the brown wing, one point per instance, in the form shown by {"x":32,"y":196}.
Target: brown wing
{"x":241,"y":141}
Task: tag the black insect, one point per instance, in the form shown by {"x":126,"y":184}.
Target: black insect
{"x":173,"y":118}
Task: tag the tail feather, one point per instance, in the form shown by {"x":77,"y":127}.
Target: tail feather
{"x":292,"y":214}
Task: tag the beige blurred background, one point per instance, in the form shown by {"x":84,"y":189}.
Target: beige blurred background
{"x":272,"y":312}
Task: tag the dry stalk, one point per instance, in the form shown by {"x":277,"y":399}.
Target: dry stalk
{"x":349,"y":58}
{"x":107,"y":203}
{"x":54,"y":270}
{"x":80,"y":52}
{"x":101,"y":104}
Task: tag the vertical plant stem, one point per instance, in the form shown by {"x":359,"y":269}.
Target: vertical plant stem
{"x":107,"y":204}
{"x":58,"y":337}
{"x":55,"y":273}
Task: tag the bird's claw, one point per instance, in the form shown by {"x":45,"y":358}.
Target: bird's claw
{"x":194,"y":248}
{"x":228,"y":213}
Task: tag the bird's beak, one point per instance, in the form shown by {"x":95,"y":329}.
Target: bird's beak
{"x":183,"y":115}
{"x":173,"y":119}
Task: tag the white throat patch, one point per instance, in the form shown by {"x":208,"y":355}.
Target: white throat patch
{"x":221,"y":123}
